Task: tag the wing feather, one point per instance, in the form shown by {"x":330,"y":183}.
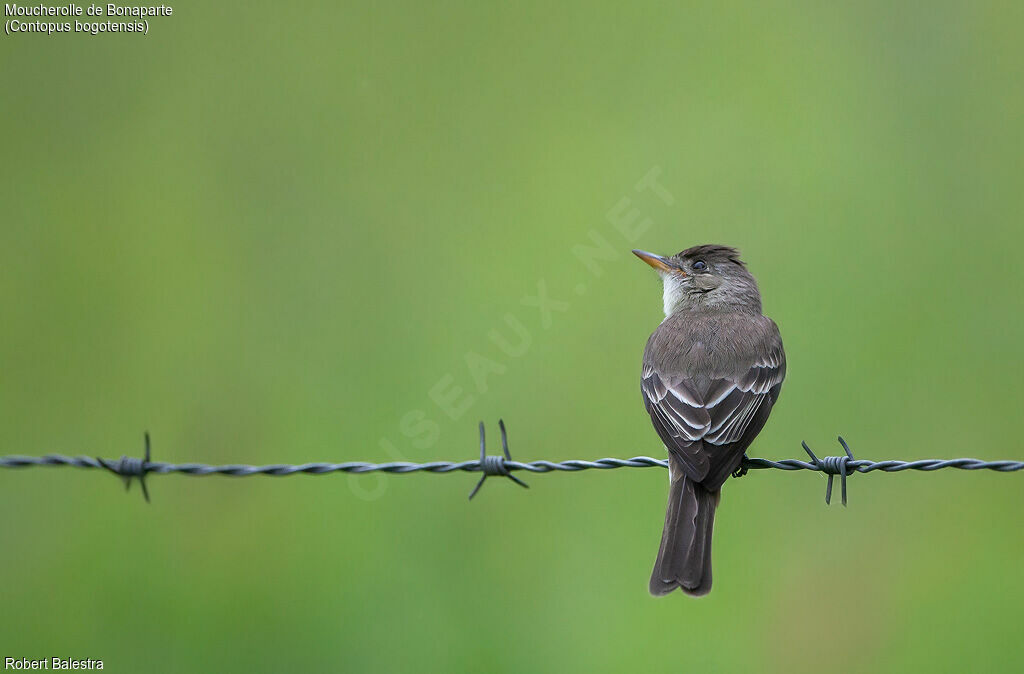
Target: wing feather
{"x":706,"y":426}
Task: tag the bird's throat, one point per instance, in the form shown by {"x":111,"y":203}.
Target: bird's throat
{"x":671,"y":295}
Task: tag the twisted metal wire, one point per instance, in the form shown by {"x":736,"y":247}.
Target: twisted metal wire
{"x":502,"y":465}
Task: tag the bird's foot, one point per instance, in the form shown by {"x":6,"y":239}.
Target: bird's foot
{"x":741,"y":469}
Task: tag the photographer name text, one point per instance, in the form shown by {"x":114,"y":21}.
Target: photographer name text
{"x":59,"y":664}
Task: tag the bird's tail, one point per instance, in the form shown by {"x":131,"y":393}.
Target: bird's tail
{"x":684,"y":559}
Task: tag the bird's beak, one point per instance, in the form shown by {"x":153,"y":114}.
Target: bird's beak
{"x":658,"y":262}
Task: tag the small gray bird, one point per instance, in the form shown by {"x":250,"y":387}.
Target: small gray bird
{"x":712,"y":372}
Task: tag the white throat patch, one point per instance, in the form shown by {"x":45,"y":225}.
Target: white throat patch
{"x":670,"y":294}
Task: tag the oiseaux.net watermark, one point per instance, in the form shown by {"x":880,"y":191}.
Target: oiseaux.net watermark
{"x":456,"y":392}
{"x":55,"y":663}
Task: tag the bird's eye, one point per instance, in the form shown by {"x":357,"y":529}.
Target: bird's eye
{"x":700,"y":265}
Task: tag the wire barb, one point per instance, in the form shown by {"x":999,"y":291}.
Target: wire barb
{"x":495,"y":465}
{"x":832,"y":466}
{"x":129,"y":467}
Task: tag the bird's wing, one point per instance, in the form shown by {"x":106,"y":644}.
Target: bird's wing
{"x":707,"y":431}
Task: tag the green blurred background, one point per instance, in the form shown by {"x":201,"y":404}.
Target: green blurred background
{"x":266,"y":233}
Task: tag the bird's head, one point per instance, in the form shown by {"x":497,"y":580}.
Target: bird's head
{"x":705,"y":277}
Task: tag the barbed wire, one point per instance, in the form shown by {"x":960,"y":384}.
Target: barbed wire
{"x":130,"y":468}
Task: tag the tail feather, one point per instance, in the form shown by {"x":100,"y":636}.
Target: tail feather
{"x":684,"y":559}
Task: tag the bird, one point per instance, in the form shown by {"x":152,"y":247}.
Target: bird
{"x":712,"y":372}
